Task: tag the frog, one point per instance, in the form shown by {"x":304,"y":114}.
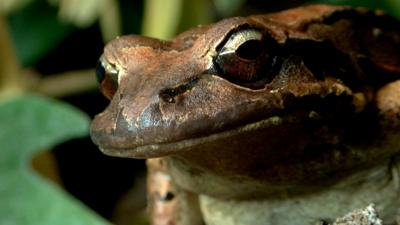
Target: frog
{"x":291,"y":117}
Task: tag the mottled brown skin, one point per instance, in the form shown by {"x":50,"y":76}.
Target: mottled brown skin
{"x":318,"y":104}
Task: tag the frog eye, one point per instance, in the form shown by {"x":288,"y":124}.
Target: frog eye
{"x":243,"y":56}
{"x":107,"y":77}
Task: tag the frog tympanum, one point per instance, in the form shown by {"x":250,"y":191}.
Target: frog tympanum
{"x":283,"y":118}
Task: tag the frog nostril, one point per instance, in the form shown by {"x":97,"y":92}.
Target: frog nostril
{"x":168,"y":94}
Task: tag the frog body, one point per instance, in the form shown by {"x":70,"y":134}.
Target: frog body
{"x":266,"y":119}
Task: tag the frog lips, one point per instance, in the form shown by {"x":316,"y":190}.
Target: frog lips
{"x":303,"y":114}
{"x":163,"y":149}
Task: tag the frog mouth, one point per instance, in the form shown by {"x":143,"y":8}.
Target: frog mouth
{"x":164,"y":149}
{"x":323,"y":115}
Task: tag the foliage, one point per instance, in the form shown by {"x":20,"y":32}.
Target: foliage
{"x":31,"y":124}
{"x":44,"y":32}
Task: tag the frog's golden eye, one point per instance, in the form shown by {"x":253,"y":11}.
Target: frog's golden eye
{"x":107,"y":77}
{"x":243,"y":55}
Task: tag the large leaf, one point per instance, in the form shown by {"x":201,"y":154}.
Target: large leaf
{"x":35,"y":30}
{"x":29,"y":124}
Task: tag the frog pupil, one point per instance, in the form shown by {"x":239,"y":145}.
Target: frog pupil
{"x":100,"y":72}
{"x":250,"y":50}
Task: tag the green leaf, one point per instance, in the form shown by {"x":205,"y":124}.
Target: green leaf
{"x":30,"y":124}
{"x":35,"y":30}
{"x":393,"y":8}
{"x":228,"y":7}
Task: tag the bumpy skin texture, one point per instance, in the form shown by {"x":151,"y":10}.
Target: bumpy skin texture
{"x":322,"y":106}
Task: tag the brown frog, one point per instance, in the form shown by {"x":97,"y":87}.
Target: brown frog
{"x":284,"y":118}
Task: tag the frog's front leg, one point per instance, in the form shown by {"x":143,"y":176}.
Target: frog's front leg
{"x":168,"y":204}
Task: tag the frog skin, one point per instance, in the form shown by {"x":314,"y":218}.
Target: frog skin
{"x":284,"y":118}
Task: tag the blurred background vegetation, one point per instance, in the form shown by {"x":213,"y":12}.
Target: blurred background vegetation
{"x":48,"y":50}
